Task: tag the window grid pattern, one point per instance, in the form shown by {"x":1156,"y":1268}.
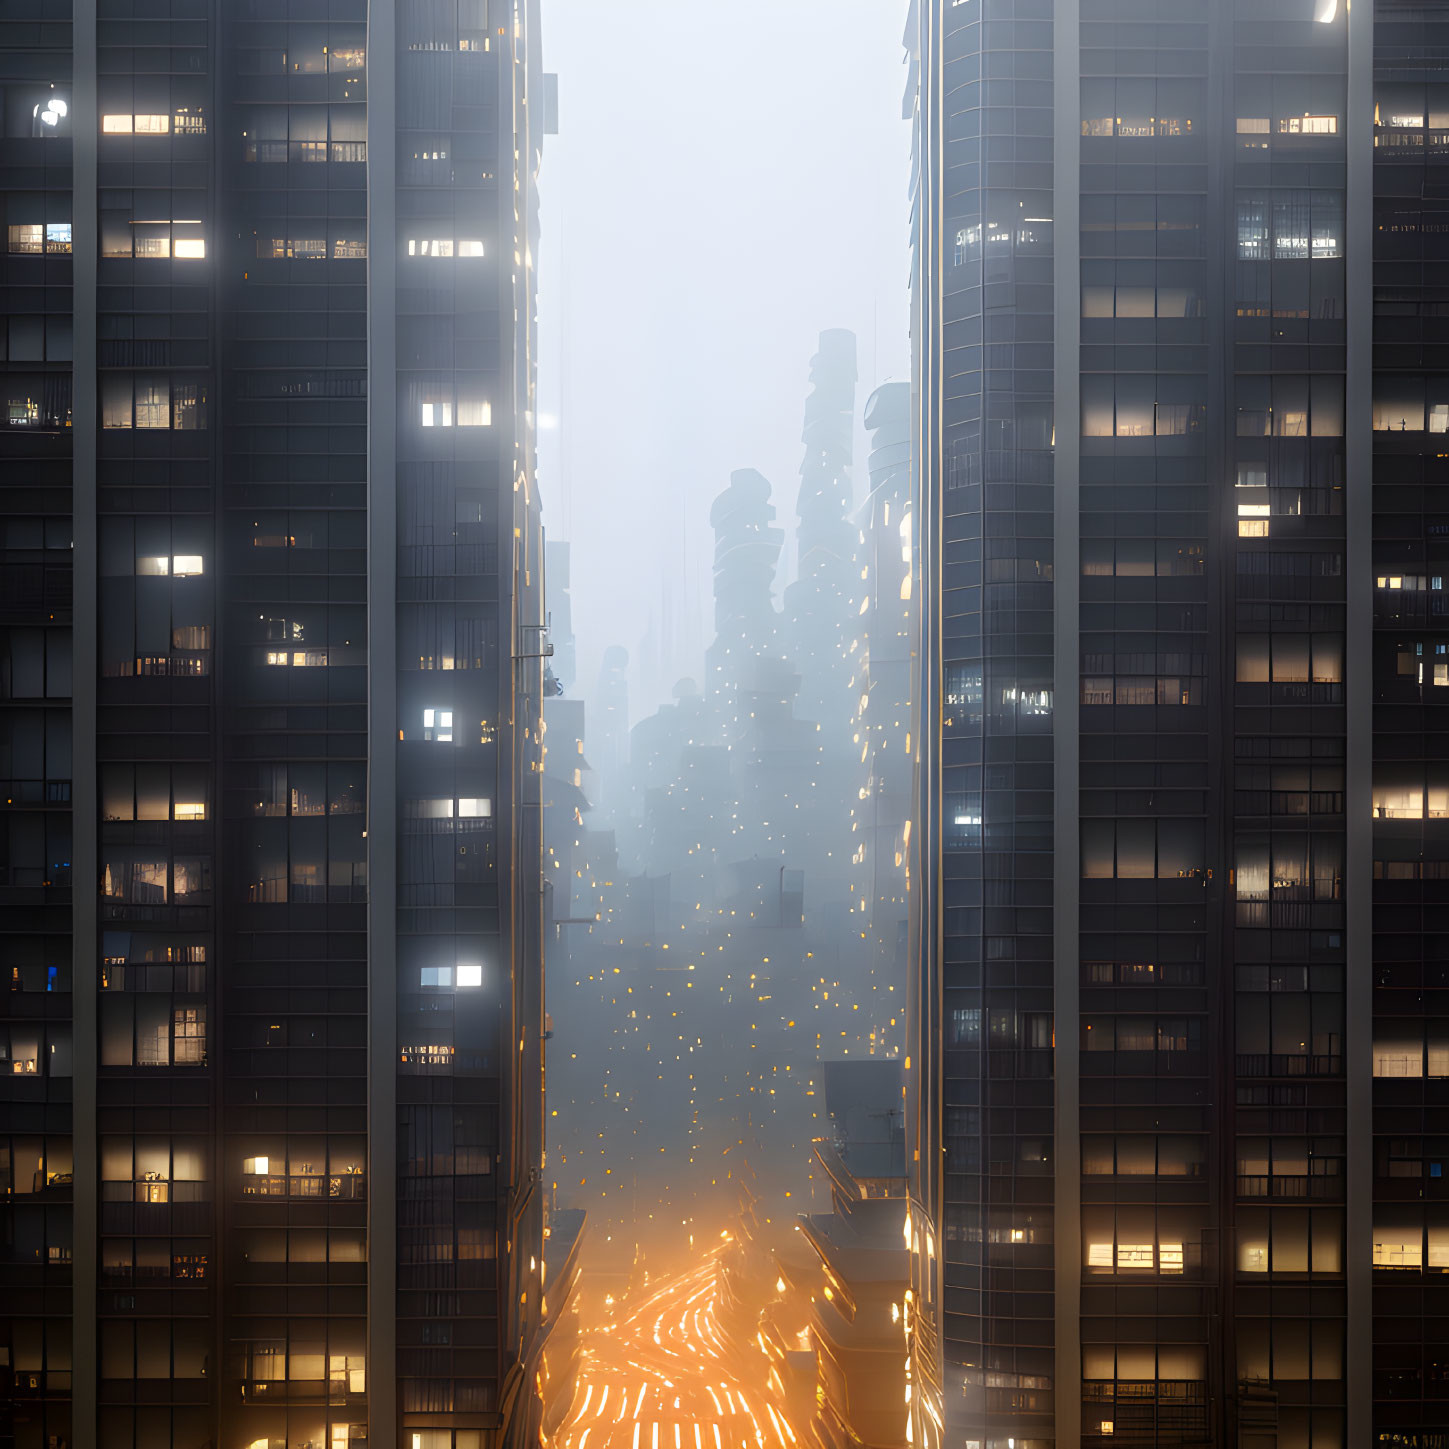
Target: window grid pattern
{"x":1148,"y":691}
{"x":292,"y":1165}
{"x":156,"y":486}
{"x":995,"y":524}
{"x":1410,"y":1248}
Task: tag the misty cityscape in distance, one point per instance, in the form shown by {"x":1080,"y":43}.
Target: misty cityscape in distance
{"x":721,"y":728}
{"x":737,"y":897}
{"x":730,"y":771}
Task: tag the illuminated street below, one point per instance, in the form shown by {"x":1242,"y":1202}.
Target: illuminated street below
{"x":658,"y":1373}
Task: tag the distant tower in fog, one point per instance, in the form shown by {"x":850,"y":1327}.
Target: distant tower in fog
{"x":883,"y":669}
{"x":819,"y":603}
{"x":610,"y":721}
{"x":746,"y":552}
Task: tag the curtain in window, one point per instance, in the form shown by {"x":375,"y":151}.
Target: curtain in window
{"x":264,"y":132}
{"x":1292,"y":229}
{"x":426,"y":504}
{"x":115,"y":400}
{"x":425,"y":89}
{"x":1326,"y":209}
{"x":188,"y":405}
{"x":349,"y":133}
{"x":153,"y":402}
{"x":429,"y":25}
{"x":1253,"y":226}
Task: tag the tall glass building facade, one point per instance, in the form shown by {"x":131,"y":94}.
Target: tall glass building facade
{"x":1182,"y":1081}
{"x":271,"y":639}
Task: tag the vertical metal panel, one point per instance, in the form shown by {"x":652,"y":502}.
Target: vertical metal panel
{"x":85,"y":870}
{"x":382,"y":725}
{"x":1358,"y":798}
{"x":1066,"y":573}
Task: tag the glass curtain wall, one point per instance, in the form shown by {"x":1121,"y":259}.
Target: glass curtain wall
{"x":995,"y":506}
{"x":453,"y":524}
{"x":156,"y":727}
{"x":1149,"y":947}
{"x":1410,"y":1249}
{"x":292,"y":1156}
{"x":1285,"y":602}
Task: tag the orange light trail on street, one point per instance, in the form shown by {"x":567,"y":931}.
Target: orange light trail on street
{"x":678,"y":1381}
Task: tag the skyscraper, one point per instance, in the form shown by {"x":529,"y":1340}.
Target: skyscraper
{"x":270,"y":708}
{"x":1179,"y":1091}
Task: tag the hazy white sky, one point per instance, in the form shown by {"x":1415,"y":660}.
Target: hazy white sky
{"x":727,"y":182}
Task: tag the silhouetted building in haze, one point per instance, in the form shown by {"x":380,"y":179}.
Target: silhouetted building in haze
{"x":738,"y":958}
{"x":818,"y":604}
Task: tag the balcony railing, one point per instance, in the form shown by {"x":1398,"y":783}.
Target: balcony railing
{"x":1322,"y":1186}
{"x":1283,"y":1064}
{"x":344,"y":1186}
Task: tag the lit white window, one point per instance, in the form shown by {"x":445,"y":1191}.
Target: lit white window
{"x":151,"y":247}
{"x":190,"y":248}
{"x":49,"y":113}
{"x":474,"y":809}
{"x":1399,"y":1055}
{"x":1398,"y":1248}
{"x":153,"y":404}
{"x":475,"y":413}
{"x":116,"y":125}
{"x":1099,"y":1255}
{"x":1398,"y":801}
{"x":1134,"y":1255}
{"x":470,"y":247}
{"x":437,"y":415}
{"x":438,"y":725}
{"x":189,"y":810}
{"x":256,"y":1166}
{"x":181,"y":565}
{"x":470,"y":975}
{"x":1309,"y":125}
{"x":28,"y":239}
{"x":437,"y":976}
{"x":430,"y":246}
{"x":1170,"y":1257}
